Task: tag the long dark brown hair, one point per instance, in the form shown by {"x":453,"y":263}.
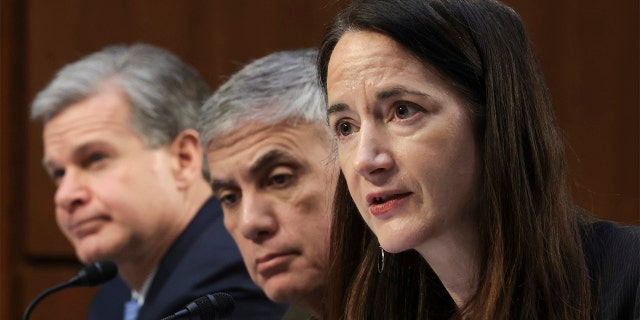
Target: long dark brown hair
{"x":533,"y":266}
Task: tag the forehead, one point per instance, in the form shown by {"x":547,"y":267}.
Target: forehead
{"x":370,"y":65}
{"x":359,"y":52}
{"x":99,"y":116}
{"x":242,"y":148}
{"x":370,"y":61}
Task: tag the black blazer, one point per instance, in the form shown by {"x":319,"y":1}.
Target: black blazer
{"x":612,"y":253}
{"x":204,"y":259}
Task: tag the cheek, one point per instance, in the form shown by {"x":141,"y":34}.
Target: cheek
{"x":312,"y":206}
{"x":308,"y":202}
{"x":231,"y":224}
{"x":110,"y":186}
{"x":469,"y":173}
{"x":142,"y":190}
{"x":246,"y":251}
{"x":359,"y":200}
{"x":244,"y":245}
{"x":351,"y":177}
{"x":345,"y":154}
{"x":62,"y":219}
{"x":448,"y":173}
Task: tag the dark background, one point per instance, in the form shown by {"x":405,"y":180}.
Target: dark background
{"x":588,"y":50}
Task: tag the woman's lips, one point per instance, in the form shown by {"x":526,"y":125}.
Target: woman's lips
{"x":380,"y":204}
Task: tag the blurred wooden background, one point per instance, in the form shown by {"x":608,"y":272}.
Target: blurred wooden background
{"x":588,"y":50}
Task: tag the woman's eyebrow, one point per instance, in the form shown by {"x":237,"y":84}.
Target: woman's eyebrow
{"x":385,"y":94}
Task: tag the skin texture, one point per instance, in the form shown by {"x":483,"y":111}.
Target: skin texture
{"x":275,"y":184}
{"x":117,"y":199}
{"x":407,"y":149}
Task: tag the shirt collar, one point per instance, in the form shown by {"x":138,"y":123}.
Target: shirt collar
{"x":140,"y":295}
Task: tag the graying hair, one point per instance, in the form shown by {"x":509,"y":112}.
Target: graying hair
{"x":279,"y":87}
{"x":165,"y":93}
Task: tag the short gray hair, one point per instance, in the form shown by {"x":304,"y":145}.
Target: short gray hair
{"x":164,"y":92}
{"x":278,"y":87}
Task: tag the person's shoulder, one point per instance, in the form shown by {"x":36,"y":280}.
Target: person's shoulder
{"x":298,"y":313}
{"x":612,"y":235}
{"x":612,"y":244}
{"x":612,"y":253}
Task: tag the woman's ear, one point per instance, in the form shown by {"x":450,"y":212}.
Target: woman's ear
{"x":188,"y":157}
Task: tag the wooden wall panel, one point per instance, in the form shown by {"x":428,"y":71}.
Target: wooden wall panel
{"x":5,"y":278}
{"x":589,"y":54}
{"x":11,"y":159}
{"x":69,"y":303}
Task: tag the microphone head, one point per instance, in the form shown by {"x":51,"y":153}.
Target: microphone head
{"x":224,"y":303}
{"x":95,"y":274}
{"x":210,"y":306}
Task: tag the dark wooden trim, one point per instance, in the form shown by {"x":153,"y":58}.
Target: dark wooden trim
{"x":12,"y":133}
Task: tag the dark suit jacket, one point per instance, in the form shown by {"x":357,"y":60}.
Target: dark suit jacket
{"x":203,"y":259}
{"x":613,"y":257}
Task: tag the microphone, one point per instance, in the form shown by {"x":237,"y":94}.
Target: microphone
{"x":208,"y":307}
{"x":91,"y":275}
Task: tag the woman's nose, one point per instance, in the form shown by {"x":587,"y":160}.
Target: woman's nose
{"x":372,"y":154}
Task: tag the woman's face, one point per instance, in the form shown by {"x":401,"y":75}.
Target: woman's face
{"x":405,"y":143}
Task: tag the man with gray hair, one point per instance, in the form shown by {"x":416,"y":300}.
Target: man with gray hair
{"x":121,"y":146}
{"x":270,"y":154}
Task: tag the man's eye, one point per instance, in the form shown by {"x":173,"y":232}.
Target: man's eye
{"x":96,"y":157}
{"x":280,"y":180}
{"x":228,"y":199}
{"x":93,"y":159}
{"x":344,"y":128}
{"x":56,"y":175}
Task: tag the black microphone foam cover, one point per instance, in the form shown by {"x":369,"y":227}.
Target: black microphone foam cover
{"x":221,"y":302}
{"x":208,"y":307}
{"x":95,"y":274}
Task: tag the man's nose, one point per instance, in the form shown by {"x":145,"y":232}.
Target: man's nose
{"x":257,"y":220}
{"x":72,"y":192}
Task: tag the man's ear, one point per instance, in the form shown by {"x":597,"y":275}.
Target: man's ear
{"x":187,"y":155}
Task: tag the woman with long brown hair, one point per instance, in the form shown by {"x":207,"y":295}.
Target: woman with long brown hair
{"x":451,"y":155}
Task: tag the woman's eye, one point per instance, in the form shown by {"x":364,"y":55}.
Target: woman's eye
{"x":344,"y":128}
{"x":405,"y":111}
